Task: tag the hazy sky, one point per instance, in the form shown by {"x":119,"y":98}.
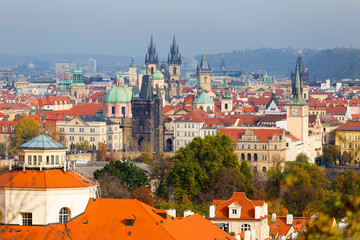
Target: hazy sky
{"x":120,"y":27}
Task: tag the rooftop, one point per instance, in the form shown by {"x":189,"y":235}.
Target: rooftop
{"x":41,"y":142}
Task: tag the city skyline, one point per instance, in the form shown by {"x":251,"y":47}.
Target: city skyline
{"x":125,"y":28}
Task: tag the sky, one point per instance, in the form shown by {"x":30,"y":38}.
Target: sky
{"x":120,"y":27}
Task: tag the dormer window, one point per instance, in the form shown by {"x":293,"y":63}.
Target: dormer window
{"x":234,"y":211}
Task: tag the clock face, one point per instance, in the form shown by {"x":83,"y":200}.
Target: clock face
{"x":295,"y":112}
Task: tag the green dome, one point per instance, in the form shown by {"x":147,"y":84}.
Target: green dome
{"x":67,"y":71}
{"x":157,"y":75}
{"x":118,"y":94}
{"x":218,"y":91}
{"x":203,"y":98}
{"x":33,"y":110}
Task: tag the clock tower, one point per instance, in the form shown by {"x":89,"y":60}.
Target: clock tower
{"x":297,"y":115}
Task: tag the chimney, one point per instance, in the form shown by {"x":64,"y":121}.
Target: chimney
{"x":172,"y":212}
{"x":273,"y":217}
{"x":212,"y":211}
{"x":41,"y":166}
{"x":65,"y":166}
{"x":188,"y":213}
{"x":247,"y":235}
{"x":24,"y":166}
{"x":289,"y":219}
{"x":10,"y":165}
{"x":257,"y":212}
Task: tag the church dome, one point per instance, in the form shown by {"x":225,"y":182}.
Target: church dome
{"x":118,"y":94}
{"x":157,"y":75}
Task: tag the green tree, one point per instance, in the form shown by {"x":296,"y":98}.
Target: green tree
{"x":347,"y":183}
{"x":83,"y":146}
{"x":2,"y":149}
{"x":197,"y":166}
{"x":346,"y":158}
{"x":130,"y":175}
{"x":302,"y":157}
{"x":331,"y":154}
{"x":26,"y":130}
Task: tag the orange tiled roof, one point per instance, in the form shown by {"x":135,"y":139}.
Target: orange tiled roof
{"x":54,"y":178}
{"x":247,"y":209}
{"x":349,"y":126}
{"x":33,"y":232}
{"x":105,"y":219}
{"x":264,"y":134}
{"x":280,"y":228}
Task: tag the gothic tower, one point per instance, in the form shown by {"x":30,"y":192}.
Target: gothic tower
{"x":297,"y":115}
{"x":147,"y":119}
{"x":132,"y":73}
{"x":151,"y":59}
{"x":174,"y":60}
{"x":204,"y":73}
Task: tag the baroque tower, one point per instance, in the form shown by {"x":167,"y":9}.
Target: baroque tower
{"x":297,"y":115}
{"x":204,"y":73}
{"x":151,"y":59}
{"x":132,"y":73}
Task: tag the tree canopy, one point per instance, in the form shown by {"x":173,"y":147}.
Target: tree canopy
{"x":26,"y":130}
{"x":129,"y":174}
{"x":199,"y":167}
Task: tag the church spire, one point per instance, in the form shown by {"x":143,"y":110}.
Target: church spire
{"x":174,"y":56}
{"x":297,"y":98}
{"x":151,"y":55}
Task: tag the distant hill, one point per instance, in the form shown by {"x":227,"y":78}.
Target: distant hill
{"x":331,"y":63}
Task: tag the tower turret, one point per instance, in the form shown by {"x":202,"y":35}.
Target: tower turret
{"x":151,"y":58}
{"x":204,"y":73}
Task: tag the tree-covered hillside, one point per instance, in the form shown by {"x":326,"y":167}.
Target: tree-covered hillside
{"x":335,"y":63}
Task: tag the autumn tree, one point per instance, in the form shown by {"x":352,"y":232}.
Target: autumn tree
{"x":126,"y":171}
{"x":331,"y":154}
{"x":83,"y":146}
{"x":101,"y":152}
{"x":112,"y":187}
{"x":49,"y":130}
{"x":26,"y":130}
{"x":145,"y":157}
{"x":346,"y":158}
{"x":159,"y":167}
{"x":143,"y":194}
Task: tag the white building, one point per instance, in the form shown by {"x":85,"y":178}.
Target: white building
{"x":40,"y":188}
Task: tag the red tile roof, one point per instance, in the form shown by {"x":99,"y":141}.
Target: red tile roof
{"x":247,"y":206}
{"x":54,"y":178}
{"x":263,"y":134}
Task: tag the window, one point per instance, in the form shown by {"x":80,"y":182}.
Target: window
{"x":192,"y":133}
{"x":62,"y":129}
{"x":81,"y":138}
{"x":264,"y":169}
{"x":234,"y":211}
{"x":243,"y":156}
{"x":71,"y":129}
{"x":47,"y":160}
{"x":263,"y":157}
{"x":112,"y":110}
{"x":57,"y":159}
{"x":109,"y":128}
{"x":29,"y":160}
{"x":242,"y":146}
{"x":255,"y":157}
{"x":129,"y":222}
{"x":123,"y":110}
{"x":64,"y":215}
{"x":52,"y":160}
{"x":192,"y":125}
{"x":249,"y":157}
{"x":249,"y":146}
{"x":81,"y":130}
{"x":109,"y":137}
{"x":92,"y":130}
{"x":264,"y":146}
{"x":27,"y":219}
{"x":34,"y":159}
{"x":255,"y":146}
{"x":40,"y":159}
{"x":92,"y":139}
{"x":245,"y":227}
{"x":115,"y":137}
{"x":275,"y":146}
{"x":71,"y":138}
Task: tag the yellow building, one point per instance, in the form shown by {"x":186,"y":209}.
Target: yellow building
{"x":263,"y":147}
{"x":347,"y":137}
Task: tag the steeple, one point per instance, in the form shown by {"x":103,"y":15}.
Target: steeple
{"x":151,"y":55}
{"x":204,"y":64}
{"x":222,"y":64}
{"x":119,"y":81}
{"x":297,"y":89}
{"x":174,"y":56}
{"x":132,"y":64}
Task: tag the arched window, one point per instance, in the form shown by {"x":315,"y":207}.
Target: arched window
{"x":201,"y":108}
{"x":255,"y":169}
{"x":264,"y":169}
{"x":243,"y":156}
{"x":174,"y":70}
{"x":113,"y":110}
{"x":64,"y":215}
{"x":207,"y":109}
{"x":245,"y":227}
{"x":255,"y":157}
{"x":249,"y":157}
{"x":226,"y":106}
